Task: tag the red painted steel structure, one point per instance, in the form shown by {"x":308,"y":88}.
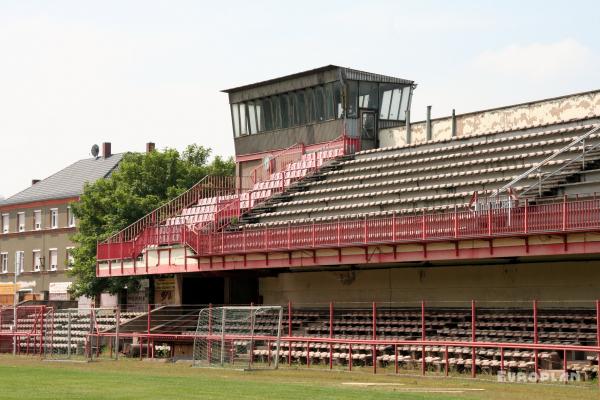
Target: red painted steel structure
{"x":566,"y":216}
{"x":30,"y":326}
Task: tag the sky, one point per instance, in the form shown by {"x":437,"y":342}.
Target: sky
{"x":76,"y":73}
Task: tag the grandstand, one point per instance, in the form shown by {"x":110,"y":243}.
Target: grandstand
{"x":467,"y":242}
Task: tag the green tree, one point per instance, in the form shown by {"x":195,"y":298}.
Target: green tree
{"x":141,"y":183}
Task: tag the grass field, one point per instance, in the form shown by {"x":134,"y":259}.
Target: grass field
{"x":27,"y":378}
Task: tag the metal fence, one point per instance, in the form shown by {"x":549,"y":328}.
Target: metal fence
{"x":442,"y":337}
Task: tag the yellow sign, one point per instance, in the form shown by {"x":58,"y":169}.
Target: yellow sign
{"x":164,"y":291}
{"x":7,"y":288}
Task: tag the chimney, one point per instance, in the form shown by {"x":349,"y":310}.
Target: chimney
{"x":106,"y":150}
{"x":453,"y":123}
{"x":428,"y":123}
{"x":34,"y":181}
{"x":150,"y":146}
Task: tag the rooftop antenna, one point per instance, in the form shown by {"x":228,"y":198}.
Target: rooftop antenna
{"x":95,"y":151}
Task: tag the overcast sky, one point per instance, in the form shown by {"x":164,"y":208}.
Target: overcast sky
{"x":75,"y":73}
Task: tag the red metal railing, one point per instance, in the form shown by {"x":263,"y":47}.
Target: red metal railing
{"x":28,"y":330}
{"x":474,"y":338}
{"x":134,"y":237}
{"x":277,"y":162}
{"x":564,"y":216}
{"x":147,"y":231}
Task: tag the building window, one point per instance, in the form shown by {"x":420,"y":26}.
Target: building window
{"x":368,"y":95}
{"x":5,"y":223}
{"x":243,"y":124}
{"x":252,"y":118}
{"x":19,"y":262}
{"x":37,"y":220}
{"x":352,"y":101}
{"x":21,"y":221}
{"x":53,"y":257}
{"x":393,"y":105}
{"x":37,"y":260}
{"x":70,"y":217}
{"x":54,"y":218}
{"x":4,"y":262}
{"x":70,"y":258}
{"x":235,"y":116}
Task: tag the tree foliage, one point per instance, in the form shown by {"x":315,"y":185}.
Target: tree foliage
{"x":141,"y":183}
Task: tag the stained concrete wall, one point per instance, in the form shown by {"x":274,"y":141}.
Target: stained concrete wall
{"x":520,"y":116}
{"x":565,"y":281}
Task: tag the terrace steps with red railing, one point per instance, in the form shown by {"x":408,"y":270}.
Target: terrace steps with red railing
{"x":430,"y":176}
{"x":557,"y":327}
{"x":208,"y":209}
{"x":214,"y":202}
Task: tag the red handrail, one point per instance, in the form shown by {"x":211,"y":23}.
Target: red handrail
{"x":209,"y":186}
{"x":559,"y":217}
{"x":527,"y":219}
{"x":277,"y":162}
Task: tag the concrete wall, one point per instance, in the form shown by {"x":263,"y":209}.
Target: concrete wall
{"x":520,"y":116}
{"x":565,"y":281}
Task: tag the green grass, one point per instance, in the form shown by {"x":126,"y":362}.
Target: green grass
{"x":24,"y":378}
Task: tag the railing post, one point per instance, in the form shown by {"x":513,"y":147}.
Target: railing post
{"x":455,"y":222}
{"x":350,"y":357}
{"x":185,"y":246}
{"x":565,"y":370}
{"x":394,"y":227}
{"x":244,"y":237}
{"x":489,"y":220}
{"x":374,"y":336}
{"x":526,"y":217}
{"x":564,"y":213}
{"x":148,"y":323}
{"x":502,"y":360}
{"x":446,"y":360}
{"x":473,"y":338}
{"x":423,"y":226}
{"x":266,"y":236}
{"x":313,"y":234}
{"x":222,"y":241}
{"x":598,"y":330}
{"x":339,"y":236}
{"x":423,"y":337}
{"x":365,"y":231}
{"x":289,"y":236}
{"x":535,"y":338}
{"x":396,"y":359}
{"x":330,"y":334}
{"x":117,"y":327}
